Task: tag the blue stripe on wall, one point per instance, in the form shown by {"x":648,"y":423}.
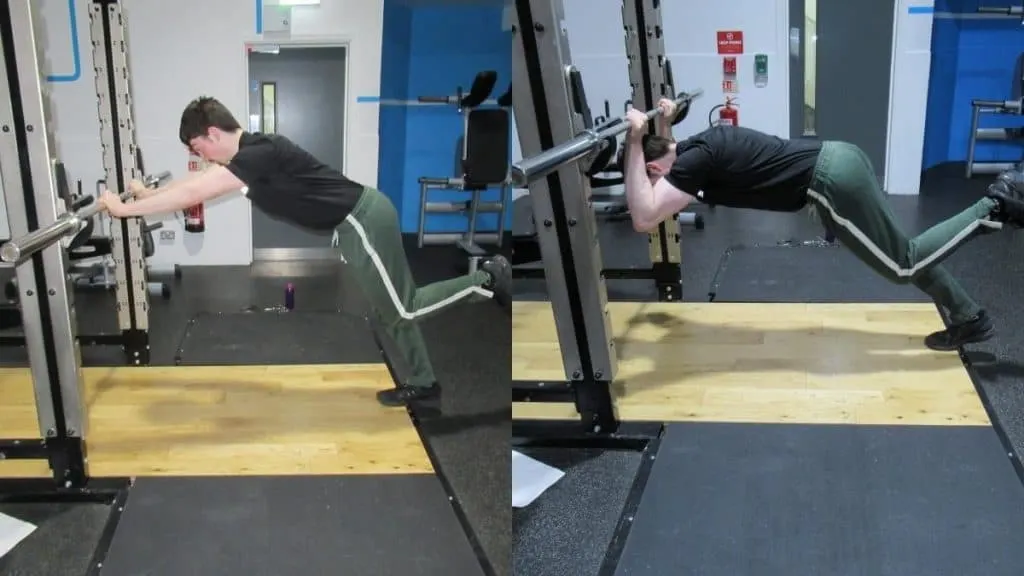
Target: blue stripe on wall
{"x":76,"y":56}
{"x":921,"y":10}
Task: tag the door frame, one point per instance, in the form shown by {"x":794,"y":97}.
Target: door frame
{"x":345,"y":43}
{"x":784,"y":64}
{"x":898,"y":9}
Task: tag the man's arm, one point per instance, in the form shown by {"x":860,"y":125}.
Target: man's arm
{"x":180,"y":194}
{"x":649,"y":205}
{"x":668,"y":113}
{"x":664,"y":126}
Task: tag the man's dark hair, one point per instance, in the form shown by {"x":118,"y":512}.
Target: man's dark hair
{"x":202,"y":114}
{"x":654,"y":147}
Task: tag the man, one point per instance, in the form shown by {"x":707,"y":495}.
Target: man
{"x":286,"y":181}
{"x":742,"y":168}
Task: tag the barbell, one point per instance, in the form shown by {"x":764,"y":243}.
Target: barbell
{"x":17,"y":250}
{"x":529,"y":169}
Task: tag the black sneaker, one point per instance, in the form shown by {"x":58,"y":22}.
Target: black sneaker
{"x":408,"y":395}
{"x":1008,"y":191}
{"x":501,"y":280}
{"x":977,"y":329}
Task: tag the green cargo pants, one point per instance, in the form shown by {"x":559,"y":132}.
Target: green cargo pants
{"x":370,"y":242}
{"x":846,"y":195}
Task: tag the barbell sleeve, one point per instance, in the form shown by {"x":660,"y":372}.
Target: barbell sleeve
{"x":539,"y":166}
{"x":1006,"y":10}
{"x":18,"y":250}
{"x":530,"y":169}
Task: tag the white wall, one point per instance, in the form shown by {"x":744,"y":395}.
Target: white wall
{"x":691,"y":45}
{"x":597,"y":44}
{"x":908,"y":96}
{"x":183,"y":49}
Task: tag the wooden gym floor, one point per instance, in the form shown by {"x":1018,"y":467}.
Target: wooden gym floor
{"x":228,"y":420}
{"x":763,"y":363}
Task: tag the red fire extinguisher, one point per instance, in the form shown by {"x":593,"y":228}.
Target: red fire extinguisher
{"x":728,"y":113}
{"x":195,"y":220}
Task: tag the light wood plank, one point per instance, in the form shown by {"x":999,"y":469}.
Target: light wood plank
{"x":236,"y":420}
{"x":802,"y":363}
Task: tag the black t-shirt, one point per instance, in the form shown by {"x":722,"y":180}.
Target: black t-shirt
{"x":285,"y":181}
{"x":742,"y":168}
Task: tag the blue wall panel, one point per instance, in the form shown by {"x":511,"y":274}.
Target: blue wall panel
{"x":394,"y":84}
{"x":971,"y":59}
{"x":446,"y":46}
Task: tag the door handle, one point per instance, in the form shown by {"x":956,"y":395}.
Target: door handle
{"x":794,"y":42}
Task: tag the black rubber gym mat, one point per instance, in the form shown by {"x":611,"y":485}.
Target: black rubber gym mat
{"x":568,"y":529}
{"x":471,"y":350}
{"x":65,"y":538}
{"x":789,"y":500}
{"x":289,"y":525}
{"x":249,"y":338}
{"x":813,"y":274}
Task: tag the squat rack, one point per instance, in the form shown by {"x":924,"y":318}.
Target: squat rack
{"x":650,"y":78}
{"x":28,"y":163}
{"x":120,"y":155}
{"x":566,"y":225}
{"x":549,"y":107}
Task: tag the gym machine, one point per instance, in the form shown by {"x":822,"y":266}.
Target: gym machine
{"x":1007,"y":107}
{"x":88,"y":255}
{"x":121,"y":163}
{"x":1013,"y":107}
{"x":547,"y":99}
{"x":650,"y":74}
{"x":128,"y":238}
{"x":89,"y":274}
{"x":39,"y":258}
{"x":108,"y":29}
{"x":483,"y":163}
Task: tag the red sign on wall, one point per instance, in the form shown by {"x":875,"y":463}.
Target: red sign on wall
{"x":730,"y":42}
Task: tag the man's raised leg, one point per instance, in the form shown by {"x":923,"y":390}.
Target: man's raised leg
{"x":846,"y":192}
{"x":370,"y":241}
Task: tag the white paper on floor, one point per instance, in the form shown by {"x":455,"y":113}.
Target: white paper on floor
{"x":530,"y":478}
{"x":12,"y":531}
